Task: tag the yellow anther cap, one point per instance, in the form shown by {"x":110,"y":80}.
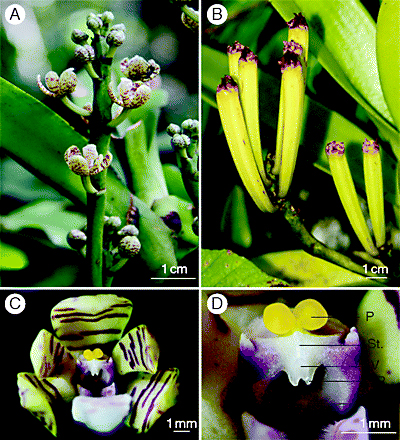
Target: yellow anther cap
{"x":278,"y":318}
{"x":310,"y":314}
{"x":89,"y":355}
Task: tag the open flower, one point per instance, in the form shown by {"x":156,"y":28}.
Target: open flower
{"x":87,"y":163}
{"x":58,"y":86}
{"x":78,"y":367}
{"x":131,"y":94}
{"x":138,"y":69}
{"x":298,"y":341}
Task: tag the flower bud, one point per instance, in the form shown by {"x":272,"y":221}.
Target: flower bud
{"x":76,"y":239}
{"x":84,"y":54}
{"x":129,"y":246}
{"x":118,"y":27}
{"x":190,"y":127}
{"x":180,"y":141}
{"x":115,"y":38}
{"x":94,"y":23}
{"x":112,"y":223}
{"x":107,"y":17}
{"x":129,"y":230}
{"x":173,"y":129}
{"x":79,"y":36}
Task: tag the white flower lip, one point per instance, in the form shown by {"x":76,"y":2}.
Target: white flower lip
{"x":299,"y":354}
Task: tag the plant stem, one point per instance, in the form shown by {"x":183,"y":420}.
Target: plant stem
{"x":314,"y":247}
{"x":100,"y":136}
{"x":190,"y":13}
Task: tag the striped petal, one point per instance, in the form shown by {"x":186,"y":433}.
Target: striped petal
{"x":36,"y":398}
{"x":49,"y":357}
{"x":136,"y":351}
{"x":152,"y":395}
{"x":90,"y":320}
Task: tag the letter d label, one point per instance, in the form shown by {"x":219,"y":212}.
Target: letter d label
{"x":217,"y":303}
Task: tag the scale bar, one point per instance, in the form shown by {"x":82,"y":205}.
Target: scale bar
{"x":379,"y":278}
{"x":180,"y":278}
{"x":180,"y":430}
{"x":352,"y":432}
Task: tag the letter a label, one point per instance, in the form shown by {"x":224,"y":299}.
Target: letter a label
{"x":15,"y":14}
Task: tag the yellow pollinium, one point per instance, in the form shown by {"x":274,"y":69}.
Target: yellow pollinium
{"x":89,"y":355}
{"x":308,"y":315}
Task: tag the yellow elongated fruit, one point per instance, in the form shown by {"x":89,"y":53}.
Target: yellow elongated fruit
{"x":298,"y":32}
{"x":234,"y":53}
{"x":293,"y":89}
{"x":374,"y":189}
{"x":238,"y":141}
{"x":347,"y":192}
{"x":249,"y":98}
{"x":298,"y":42}
{"x":288,"y":46}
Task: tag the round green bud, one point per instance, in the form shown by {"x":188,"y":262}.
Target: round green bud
{"x":115,"y":38}
{"x":79,"y":36}
{"x":180,"y":141}
{"x":76,"y":239}
{"x":84,"y":54}
{"x":94,"y":23}
{"x":118,"y":27}
{"x":129,"y":246}
{"x":112,"y":223}
{"x":107,"y":17}
{"x":173,"y":129}
{"x":127,"y":230}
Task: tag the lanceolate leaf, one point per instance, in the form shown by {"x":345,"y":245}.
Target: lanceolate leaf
{"x":36,"y":137}
{"x":388,"y":54}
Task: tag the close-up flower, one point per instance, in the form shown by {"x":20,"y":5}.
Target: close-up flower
{"x":90,"y":369}
{"x":138,"y":69}
{"x":131,"y":94}
{"x":299,"y":366}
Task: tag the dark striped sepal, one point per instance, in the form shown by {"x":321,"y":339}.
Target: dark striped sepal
{"x":50,"y":358}
{"x":152,"y":395}
{"x":36,"y":396}
{"x":90,"y":320}
{"x":136,"y":351}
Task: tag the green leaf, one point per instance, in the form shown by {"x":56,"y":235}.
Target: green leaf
{"x":51,"y":216}
{"x":342,"y":37}
{"x":305,"y":270}
{"x":388,"y":55}
{"x":36,"y":137}
{"x":224,"y":268}
{"x":12,"y":258}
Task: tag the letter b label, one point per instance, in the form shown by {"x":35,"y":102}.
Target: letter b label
{"x":217,"y":14}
